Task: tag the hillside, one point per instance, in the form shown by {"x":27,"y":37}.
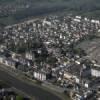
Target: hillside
{"x":19,"y":9}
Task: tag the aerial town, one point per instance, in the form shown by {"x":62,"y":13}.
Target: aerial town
{"x":57,"y":51}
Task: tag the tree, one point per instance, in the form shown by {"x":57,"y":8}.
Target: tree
{"x":19,"y":97}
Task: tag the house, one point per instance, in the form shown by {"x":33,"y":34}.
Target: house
{"x":42,"y":75}
{"x":23,"y":68}
{"x":10,"y":62}
{"x":95,"y":71}
{"x":29,"y":55}
{"x":67,"y":75}
{"x":83,"y":95}
{"x":7,"y":94}
{"x":2,"y":58}
{"x":77,"y":79}
{"x":78,"y":97}
{"x":86,"y":83}
{"x":39,"y":76}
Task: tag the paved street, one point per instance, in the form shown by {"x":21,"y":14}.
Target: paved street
{"x":29,"y":89}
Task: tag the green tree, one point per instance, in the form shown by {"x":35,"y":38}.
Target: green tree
{"x":19,"y":97}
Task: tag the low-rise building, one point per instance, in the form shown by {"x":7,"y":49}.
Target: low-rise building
{"x":39,"y":76}
{"x":95,"y":71}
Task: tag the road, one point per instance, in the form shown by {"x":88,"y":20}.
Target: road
{"x":31,"y":90}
